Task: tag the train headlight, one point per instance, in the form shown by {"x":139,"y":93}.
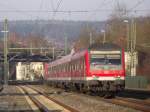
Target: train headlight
{"x":93,"y":76}
{"x":118,"y":77}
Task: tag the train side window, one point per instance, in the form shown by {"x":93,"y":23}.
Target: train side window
{"x":77,"y":65}
{"x":82,"y":63}
{"x":54,"y":69}
{"x":67,"y":67}
{"x":70,"y":67}
{"x":59,"y":68}
{"x":50,"y":69}
{"x":63,"y":67}
{"x":74,"y":66}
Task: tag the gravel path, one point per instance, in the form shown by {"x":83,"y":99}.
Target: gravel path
{"x":83,"y":103}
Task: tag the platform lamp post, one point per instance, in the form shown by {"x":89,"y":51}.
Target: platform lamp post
{"x":127,"y":34}
{"x":104,"y":36}
{"x":53,"y":52}
{"x":6,"y":64}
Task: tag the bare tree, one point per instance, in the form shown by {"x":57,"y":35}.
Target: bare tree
{"x":86,"y":37}
{"x":116,"y":27}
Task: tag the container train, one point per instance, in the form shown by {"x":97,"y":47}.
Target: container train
{"x":100,"y":69}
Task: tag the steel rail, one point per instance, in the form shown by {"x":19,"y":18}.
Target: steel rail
{"x":131,"y":103}
{"x":138,"y":101}
{"x":135,"y":104}
{"x":52,"y":99}
{"x":41,"y":107}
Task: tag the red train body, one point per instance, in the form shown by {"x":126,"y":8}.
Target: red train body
{"x":93,"y":69}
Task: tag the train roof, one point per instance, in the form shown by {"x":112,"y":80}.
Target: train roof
{"x":62,"y":60}
{"x":78,"y":54}
{"x":105,"y":46}
{"x":74,"y":55}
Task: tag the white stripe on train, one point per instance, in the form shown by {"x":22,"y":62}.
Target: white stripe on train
{"x":88,"y":78}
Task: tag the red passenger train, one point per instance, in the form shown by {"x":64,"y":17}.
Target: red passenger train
{"x":101,"y":68}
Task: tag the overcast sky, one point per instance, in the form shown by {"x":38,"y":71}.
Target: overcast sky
{"x":8,"y":9}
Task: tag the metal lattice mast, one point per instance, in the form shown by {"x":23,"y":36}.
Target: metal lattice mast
{"x":132,"y":47}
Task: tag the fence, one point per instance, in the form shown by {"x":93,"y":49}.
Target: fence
{"x":137,"y":82}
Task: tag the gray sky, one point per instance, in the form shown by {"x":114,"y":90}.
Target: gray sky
{"x":8,"y":9}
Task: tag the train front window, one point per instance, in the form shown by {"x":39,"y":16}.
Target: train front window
{"x":105,"y":61}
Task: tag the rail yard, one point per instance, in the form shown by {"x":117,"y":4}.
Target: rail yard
{"x":74,"y":56}
{"x":43,"y":98}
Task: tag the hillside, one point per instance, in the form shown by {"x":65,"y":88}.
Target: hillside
{"x":53,"y":30}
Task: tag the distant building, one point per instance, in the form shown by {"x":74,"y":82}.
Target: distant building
{"x":21,"y":71}
{"x":29,"y":71}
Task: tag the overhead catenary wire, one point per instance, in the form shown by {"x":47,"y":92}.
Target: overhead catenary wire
{"x":56,"y":10}
{"x":67,"y":11}
{"x":52,"y":5}
{"x":14,"y":8}
{"x":137,"y":4}
{"x":41,"y":5}
{"x":103,"y":4}
{"x":57,"y":7}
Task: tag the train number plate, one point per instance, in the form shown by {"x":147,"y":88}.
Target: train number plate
{"x":117,"y":78}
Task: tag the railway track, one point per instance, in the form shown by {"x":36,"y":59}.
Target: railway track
{"x":44,"y":102}
{"x":131,"y":103}
{"x":136,"y":104}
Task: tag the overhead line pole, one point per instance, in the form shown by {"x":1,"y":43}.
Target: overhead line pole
{"x":66,"y":44}
{"x":6,"y":64}
{"x":91,"y":38}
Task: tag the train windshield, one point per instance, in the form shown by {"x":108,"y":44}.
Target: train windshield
{"x":105,"y":61}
